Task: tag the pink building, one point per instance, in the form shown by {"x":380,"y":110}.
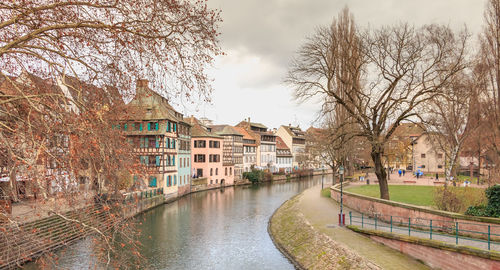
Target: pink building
{"x":206,"y":155}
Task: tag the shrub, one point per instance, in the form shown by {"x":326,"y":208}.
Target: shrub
{"x":254,"y":176}
{"x":492,"y":209}
{"x":458,"y":199}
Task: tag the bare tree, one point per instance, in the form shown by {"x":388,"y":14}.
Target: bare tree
{"x":450,"y":118}
{"x":66,"y":67}
{"x":399,"y":67}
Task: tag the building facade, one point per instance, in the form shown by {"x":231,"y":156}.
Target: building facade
{"x":284,"y":157}
{"x":427,"y":157}
{"x":184,"y":153}
{"x":249,"y":149}
{"x":206,"y":156}
{"x":295,"y":140}
{"x":232,"y":147}
{"x":266,"y":145}
{"x":152,"y":126}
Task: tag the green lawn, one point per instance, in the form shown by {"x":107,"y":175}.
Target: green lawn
{"x":417,"y":195}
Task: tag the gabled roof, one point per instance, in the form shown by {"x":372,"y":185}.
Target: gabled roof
{"x":294,"y":132}
{"x":225,"y":130}
{"x":247,"y":135}
{"x":198,"y":130}
{"x":280,"y":144}
{"x":149,"y":105}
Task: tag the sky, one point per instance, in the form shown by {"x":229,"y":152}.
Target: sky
{"x":260,"y":37}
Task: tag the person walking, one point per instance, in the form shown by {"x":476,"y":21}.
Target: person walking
{"x":404,"y":172}
{"x":399,"y":172}
{"x":437,"y":176}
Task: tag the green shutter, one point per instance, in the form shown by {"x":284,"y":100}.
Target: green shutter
{"x":140,"y":126}
{"x":175,"y":127}
{"x":157,"y":142}
{"x":156,"y":126}
{"x":157,"y":160}
{"x":142,"y":142}
{"x":149,"y":126}
{"x":173,"y":160}
{"x":168,"y":143}
{"x":146,"y":142}
{"x":146,"y":160}
{"x":125,"y":126}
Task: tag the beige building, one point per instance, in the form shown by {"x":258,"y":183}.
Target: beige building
{"x":295,"y":140}
{"x":266,"y":145}
{"x":427,"y":157}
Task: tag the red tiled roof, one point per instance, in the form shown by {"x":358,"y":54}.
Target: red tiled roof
{"x":280,"y":144}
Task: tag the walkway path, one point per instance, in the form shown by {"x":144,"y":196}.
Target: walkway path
{"x":322,"y":212}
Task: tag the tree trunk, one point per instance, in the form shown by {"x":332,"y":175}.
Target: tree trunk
{"x":381,"y":173}
{"x":333,"y":175}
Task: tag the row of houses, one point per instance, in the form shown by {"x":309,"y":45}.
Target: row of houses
{"x":179,"y":151}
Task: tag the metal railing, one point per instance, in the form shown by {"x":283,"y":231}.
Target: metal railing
{"x":443,"y":230}
{"x":143,"y":194}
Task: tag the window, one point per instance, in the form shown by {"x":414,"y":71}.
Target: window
{"x":230,"y":171}
{"x":225,"y":172}
{"x":199,"y":158}
{"x":152,"y":181}
{"x":440,"y":155}
{"x":216,"y":171}
{"x":216,"y":181}
{"x":211,"y":171}
{"x":423,"y":166}
{"x":168,"y":126}
{"x":175,"y":127}
{"x":200,"y":144}
{"x":199,"y":172}
{"x":440,"y":166}
{"x":214,"y":158}
{"x":214,"y":144}
{"x":422,"y":155}
{"x":175,"y":180}
{"x":157,"y":161}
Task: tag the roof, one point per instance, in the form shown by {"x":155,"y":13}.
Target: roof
{"x":198,"y":130}
{"x":259,"y":125}
{"x":225,"y":130}
{"x":406,"y":130}
{"x":280,"y":144}
{"x":294,"y":132}
{"x":247,"y":135}
{"x":149,"y":105}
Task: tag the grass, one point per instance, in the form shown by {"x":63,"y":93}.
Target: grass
{"x":416,"y":195}
{"x":325,"y":192}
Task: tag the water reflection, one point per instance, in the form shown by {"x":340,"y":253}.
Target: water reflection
{"x":217,"y":229}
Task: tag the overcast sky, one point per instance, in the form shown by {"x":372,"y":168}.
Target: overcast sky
{"x":261,"y":36}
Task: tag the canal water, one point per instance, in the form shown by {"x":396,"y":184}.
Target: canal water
{"x":216,"y":229}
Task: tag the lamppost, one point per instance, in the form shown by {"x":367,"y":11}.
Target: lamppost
{"x":341,"y":215}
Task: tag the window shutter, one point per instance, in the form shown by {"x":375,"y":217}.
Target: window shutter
{"x":149,"y":126}
{"x":140,"y":126}
{"x":168,"y":126}
{"x":156,"y":126}
{"x":146,"y":159}
{"x":168,"y":143}
{"x":175,"y":127}
{"x":142,"y":142}
{"x":157,"y":142}
{"x":125,"y":126}
{"x":173,"y":160}
{"x":175,"y":180}
{"x":146,"y":142}
{"x":157,"y":160}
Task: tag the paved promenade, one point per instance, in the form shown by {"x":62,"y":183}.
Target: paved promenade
{"x":323,"y":212}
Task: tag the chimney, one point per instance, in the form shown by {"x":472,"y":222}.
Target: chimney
{"x":289,"y":125}
{"x":248,"y":119}
{"x":142,"y":83}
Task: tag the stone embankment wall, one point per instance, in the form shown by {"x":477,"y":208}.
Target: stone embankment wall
{"x":306,"y":247}
{"x":437,"y":255}
{"x":400,"y":212}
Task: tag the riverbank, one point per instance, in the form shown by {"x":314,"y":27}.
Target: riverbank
{"x":303,"y":229}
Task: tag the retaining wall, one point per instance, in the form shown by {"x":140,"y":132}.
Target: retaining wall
{"x":384,"y":209}
{"x":436,"y":254}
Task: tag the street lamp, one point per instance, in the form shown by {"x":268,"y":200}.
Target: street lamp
{"x":341,"y":215}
